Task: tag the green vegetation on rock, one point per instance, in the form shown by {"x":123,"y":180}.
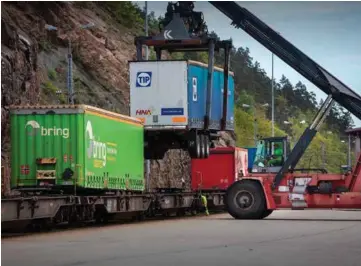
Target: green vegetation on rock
{"x":49,"y":87}
{"x":125,"y":12}
{"x":52,"y":74}
{"x":50,"y":90}
{"x":44,"y":45}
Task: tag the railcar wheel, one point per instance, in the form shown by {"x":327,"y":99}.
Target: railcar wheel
{"x":181,"y":213}
{"x":245,"y":200}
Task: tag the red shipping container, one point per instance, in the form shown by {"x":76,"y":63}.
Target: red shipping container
{"x":223,"y":167}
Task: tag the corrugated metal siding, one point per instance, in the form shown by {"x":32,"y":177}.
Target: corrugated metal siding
{"x":69,"y":146}
{"x":123,"y":170}
{"x":197,"y":108}
{"x":217,"y":96}
{"x":215,"y":172}
{"x":230,"y":101}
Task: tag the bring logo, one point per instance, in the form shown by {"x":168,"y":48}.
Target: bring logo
{"x":96,"y":150}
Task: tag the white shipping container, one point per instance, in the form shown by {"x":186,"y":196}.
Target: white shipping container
{"x":158,"y":92}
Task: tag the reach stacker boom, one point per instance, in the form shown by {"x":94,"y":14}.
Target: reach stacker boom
{"x":258,"y":194}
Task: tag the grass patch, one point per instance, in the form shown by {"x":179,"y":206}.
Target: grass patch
{"x":52,"y":74}
{"x":45,"y":45}
{"x":62,"y":99}
{"x":50,"y":89}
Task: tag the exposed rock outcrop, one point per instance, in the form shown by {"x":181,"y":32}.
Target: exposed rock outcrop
{"x":19,"y":81}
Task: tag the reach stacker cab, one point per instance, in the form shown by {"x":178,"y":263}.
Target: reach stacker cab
{"x":271,"y":153}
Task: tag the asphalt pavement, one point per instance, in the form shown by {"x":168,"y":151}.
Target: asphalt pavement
{"x":290,"y":238}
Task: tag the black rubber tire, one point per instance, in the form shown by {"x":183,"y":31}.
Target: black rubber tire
{"x":252,"y":193}
{"x":207,"y":146}
{"x":266,"y":213}
{"x":194,"y":149}
{"x":202,"y":143}
{"x":198,"y":147}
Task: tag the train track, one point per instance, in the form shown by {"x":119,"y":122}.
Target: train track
{"x":66,"y":227}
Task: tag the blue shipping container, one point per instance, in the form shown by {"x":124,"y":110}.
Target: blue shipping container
{"x":197,"y":94}
{"x":251,"y":156}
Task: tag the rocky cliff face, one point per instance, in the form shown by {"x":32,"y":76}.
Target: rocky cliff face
{"x":34,"y":68}
{"x":19,"y":79}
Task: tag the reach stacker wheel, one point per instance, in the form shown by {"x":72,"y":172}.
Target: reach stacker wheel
{"x":266,"y":213}
{"x":194,"y":148}
{"x":206,"y":146}
{"x":245,"y":200}
{"x":204,"y":142}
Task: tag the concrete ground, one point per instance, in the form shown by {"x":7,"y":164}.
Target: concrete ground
{"x":289,"y":238}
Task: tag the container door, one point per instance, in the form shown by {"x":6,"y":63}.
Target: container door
{"x":244,"y":161}
{"x":215,"y":172}
{"x":45,"y":147}
{"x":237,"y":164}
{"x":197,"y":87}
{"x":241,"y":162}
{"x":217,"y":100}
{"x":230,"y":101}
{"x":158,"y":93}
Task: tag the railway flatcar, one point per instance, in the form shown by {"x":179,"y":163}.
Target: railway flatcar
{"x":78,"y":163}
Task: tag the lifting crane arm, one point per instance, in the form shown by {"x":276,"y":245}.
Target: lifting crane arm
{"x":334,"y":88}
{"x":329,"y":84}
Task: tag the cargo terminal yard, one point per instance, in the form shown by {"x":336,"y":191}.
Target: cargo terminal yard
{"x":309,"y":237}
{"x":77,"y":164}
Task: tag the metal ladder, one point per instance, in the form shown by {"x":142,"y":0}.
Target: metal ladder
{"x":297,"y":196}
{"x":356,"y":172}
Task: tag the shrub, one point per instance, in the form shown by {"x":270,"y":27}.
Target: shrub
{"x":44,"y":45}
{"x":52,"y":74}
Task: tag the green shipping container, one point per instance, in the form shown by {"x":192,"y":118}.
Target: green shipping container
{"x":64,"y":145}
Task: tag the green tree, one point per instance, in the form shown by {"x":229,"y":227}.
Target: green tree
{"x":125,"y":12}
